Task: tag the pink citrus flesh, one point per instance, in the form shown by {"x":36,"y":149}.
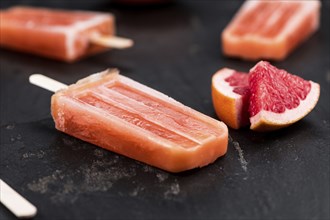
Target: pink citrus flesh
{"x":278,"y":98}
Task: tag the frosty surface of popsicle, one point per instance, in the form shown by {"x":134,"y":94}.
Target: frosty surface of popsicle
{"x":124,"y":116}
{"x":57,"y":34}
{"x":270,"y":29}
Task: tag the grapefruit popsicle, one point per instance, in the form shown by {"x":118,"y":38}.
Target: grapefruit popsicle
{"x":270,"y":29}
{"x":126,"y":117}
{"x":58,"y":34}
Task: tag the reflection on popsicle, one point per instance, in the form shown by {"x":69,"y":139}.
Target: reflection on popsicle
{"x":124,"y":116}
{"x":59,"y":34}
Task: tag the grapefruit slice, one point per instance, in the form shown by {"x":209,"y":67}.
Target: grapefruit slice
{"x":230,"y":95}
{"x":278,"y":98}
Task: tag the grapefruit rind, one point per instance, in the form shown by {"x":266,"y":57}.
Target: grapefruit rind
{"x":227,"y":104}
{"x":269,"y":121}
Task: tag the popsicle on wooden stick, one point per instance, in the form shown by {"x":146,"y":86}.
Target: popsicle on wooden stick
{"x":124,"y":116}
{"x":59,"y":34}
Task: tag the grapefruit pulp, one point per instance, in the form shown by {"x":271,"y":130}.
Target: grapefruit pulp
{"x":278,"y":98}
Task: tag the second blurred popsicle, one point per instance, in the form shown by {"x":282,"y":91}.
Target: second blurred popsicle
{"x":270,"y":29}
{"x":58,"y":34}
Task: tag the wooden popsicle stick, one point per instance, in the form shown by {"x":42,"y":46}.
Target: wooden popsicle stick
{"x":16,"y":203}
{"x":46,"y":82}
{"x":111,"y":41}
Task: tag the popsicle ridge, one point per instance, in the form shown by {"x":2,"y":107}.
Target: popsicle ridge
{"x":155,"y":115}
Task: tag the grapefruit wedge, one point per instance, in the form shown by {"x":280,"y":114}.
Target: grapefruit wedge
{"x":278,"y":98}
{"x":230,"y":96}
{"x":268,"y":98}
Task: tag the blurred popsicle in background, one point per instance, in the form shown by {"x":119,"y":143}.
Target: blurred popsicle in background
{"x":59,"y":34}
{"x":270,"y":29}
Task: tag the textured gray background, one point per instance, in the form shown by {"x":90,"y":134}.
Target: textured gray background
{"x":177,"y":50}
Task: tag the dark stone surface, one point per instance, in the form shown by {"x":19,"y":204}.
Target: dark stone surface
{"x":177,"y":51}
